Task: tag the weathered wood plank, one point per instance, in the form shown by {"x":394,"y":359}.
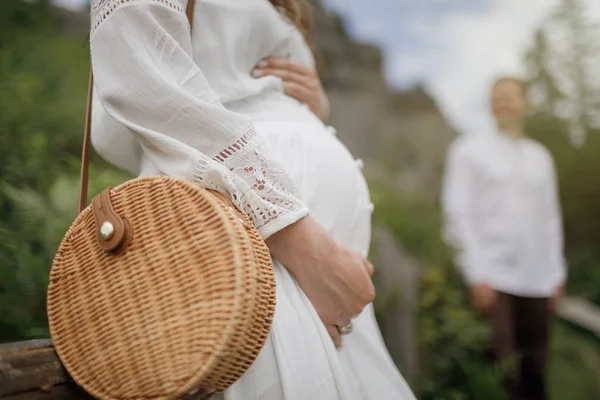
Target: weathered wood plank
{"x":32,"y":371}
{"x":581,"y":313}
{"x":68,"y":391}
{"x":29,"y":366}
{"x":26,"y":345}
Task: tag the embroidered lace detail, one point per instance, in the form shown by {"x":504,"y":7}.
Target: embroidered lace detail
{"x":101,"y":9}
{"x":257,"y":186}
{"x":238,"y":145}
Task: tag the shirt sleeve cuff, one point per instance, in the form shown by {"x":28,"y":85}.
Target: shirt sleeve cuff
{"x":283,"y":221}
{"x":473,"y":274}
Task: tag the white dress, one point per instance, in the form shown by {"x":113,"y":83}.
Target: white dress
{"x":168,"y":103}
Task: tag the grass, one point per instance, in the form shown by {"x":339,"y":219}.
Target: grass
{"x":574,"y":369}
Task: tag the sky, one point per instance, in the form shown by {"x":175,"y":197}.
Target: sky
{"x":454,"y":48}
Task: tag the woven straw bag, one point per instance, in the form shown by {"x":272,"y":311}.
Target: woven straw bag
{"x":159,"y":290}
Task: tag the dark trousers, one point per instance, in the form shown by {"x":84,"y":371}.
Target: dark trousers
{"x":520,"y":329}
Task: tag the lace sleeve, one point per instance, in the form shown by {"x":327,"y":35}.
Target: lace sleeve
{"x":258,"y":186}
{"x":147,"y":80}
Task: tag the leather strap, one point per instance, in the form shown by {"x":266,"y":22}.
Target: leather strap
{"x":189,"y":12}
{"x":85,"y":153}
{"x":113,"y":232}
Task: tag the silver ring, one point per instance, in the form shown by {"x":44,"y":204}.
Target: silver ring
{"x":346,"y":329}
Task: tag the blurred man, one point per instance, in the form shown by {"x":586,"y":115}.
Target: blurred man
{"x":502,"y":215}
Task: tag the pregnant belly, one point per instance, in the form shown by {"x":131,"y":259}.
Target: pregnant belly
{"x":329,"y":179}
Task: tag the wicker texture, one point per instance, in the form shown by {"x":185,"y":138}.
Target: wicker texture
{"x":187,"y":305}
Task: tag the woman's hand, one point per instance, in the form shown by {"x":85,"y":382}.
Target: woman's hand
{"x":299,"y":81}
{"x":335,"y":279}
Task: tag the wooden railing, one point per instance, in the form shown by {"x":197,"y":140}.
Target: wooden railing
{"x":31,"y":370}
{"x":581,"y":313}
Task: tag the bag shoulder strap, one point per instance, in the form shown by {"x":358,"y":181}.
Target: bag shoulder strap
{"x":85,"y":153}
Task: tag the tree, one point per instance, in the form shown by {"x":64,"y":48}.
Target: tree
{"x":542,"y":85}
{"x":562,"y":70}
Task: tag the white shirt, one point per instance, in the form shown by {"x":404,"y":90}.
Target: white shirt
{"x":502,"y":214}
{"x":156,"y":113}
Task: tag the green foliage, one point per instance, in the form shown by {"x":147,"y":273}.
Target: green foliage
{"x":17,"y":16}
{"x":452,"y":339}
{"x":43,"y":77}
{"x":42,"y":221}
{"x":575,"y":364}
{"x":419,"y":228}
{"x":488,"y":381}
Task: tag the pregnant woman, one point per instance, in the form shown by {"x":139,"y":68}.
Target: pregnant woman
{"x":236,"y":107}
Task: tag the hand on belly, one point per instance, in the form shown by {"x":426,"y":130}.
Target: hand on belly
{"x":300,"y":82}
{"x":334,"y":278}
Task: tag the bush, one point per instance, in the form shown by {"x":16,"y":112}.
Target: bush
{"x":43,"y":83}
{"x":452,"y":339}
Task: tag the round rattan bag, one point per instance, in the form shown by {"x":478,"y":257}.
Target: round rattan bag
{"x":160,"y":289}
